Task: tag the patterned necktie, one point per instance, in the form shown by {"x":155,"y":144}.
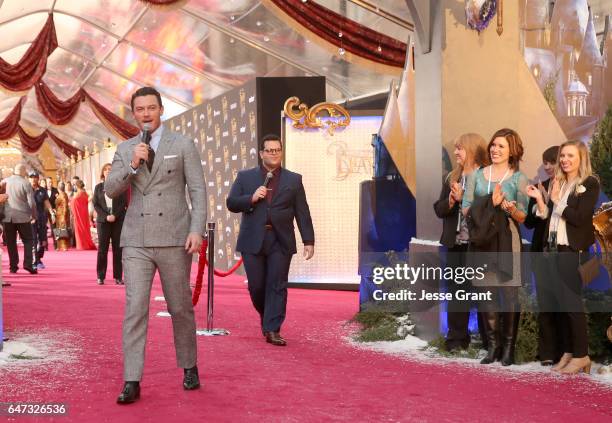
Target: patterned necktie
{"x":151,"y":158}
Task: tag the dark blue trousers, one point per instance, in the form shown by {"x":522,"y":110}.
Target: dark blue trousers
{"x":267,"y":272}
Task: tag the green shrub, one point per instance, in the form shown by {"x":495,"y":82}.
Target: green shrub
{"x":377,"y":326}
{"x":601,"y":152}
{"x":526,"y":348}
{"x":438,"y":345}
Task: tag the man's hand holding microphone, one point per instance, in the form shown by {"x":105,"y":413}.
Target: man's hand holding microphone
{"x":140,"y":154}
{"x":261,"y":192}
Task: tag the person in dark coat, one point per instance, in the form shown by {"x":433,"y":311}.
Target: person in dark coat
{"x":569,"y":235}
{"x":109,"y":222}
{"x":470,"y":154}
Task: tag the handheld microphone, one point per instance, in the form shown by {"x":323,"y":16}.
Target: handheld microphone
{"x":269,"y":176}
{"x":146,"y":136}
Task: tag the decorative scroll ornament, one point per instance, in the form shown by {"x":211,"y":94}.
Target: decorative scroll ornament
{"x":479,"y":14}
{"x":303,"y":117}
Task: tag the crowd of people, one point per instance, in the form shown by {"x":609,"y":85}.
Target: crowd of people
{"x":33,"y":209}
{"x":482,"y":203}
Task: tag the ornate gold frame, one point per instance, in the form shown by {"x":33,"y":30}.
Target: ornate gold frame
{"x":304,"y":117}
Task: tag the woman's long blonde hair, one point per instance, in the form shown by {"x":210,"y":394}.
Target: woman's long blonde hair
{"x":584,"y":170}
{"x":475,"y":147}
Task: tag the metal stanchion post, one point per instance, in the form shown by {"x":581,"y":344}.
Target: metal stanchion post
{"x":209,"y":331}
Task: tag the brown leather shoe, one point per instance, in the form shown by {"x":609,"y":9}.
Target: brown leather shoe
{"x":274,"y":338}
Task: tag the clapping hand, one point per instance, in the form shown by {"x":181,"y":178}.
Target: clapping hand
{"x":544,"y":192}
{"x":508,"y":206}
{"x":535,"y":192}
{"x":498,"y":195}
{"x":555,"y":192}
{"x":457,"y":191}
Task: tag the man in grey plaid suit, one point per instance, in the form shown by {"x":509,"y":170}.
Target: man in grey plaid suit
{"x":159,"y":233}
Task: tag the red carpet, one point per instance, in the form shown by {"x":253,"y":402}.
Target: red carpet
{"x":317,"y":377}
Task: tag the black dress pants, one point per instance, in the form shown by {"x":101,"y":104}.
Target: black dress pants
{"x":25,"y":233}
{"x":109,"y":232}
{"x":39,"y":232}
{"x":550,"y":346}
{"x":458,"y":315}
{"x":267,"y":273}
{"x":573,"y":321}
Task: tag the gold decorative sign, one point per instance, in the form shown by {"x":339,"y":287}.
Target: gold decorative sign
{"x":303,"y":117}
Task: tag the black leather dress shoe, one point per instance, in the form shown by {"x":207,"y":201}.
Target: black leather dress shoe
{"x":32,"y":271}
{"x":13,"y":270}
{"x":274,"y":338}
{"x":191,"y":379}
{"x":130,"y":393}
{"x":100,"y":281}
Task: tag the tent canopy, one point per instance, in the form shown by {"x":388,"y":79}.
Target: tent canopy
{"x":191,"y":54}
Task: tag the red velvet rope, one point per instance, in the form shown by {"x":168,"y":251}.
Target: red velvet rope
{"x":32,"y":66}
{"x":202,"y":263}
{"x":200,"y":276}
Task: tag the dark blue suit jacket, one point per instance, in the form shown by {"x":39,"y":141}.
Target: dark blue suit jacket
{"x":288,"y":203}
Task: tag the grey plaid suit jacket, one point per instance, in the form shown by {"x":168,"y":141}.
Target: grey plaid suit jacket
{"x":158,"y":214}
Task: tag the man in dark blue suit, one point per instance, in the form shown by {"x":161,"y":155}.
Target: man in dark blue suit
{"x":270,"y":198}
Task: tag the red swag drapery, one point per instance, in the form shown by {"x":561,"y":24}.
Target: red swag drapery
{"x":356,"y":38}
{"x":58,"y":112}
{"x":61,"y":112}
{"x":111,"y":121}
{"x":10,"y":124}
{"x":33,"y":65}
{"x":10,"y":127}
{"x":68,"y":149}
{"x":32,"y":144}
{"x":28,"y":73}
